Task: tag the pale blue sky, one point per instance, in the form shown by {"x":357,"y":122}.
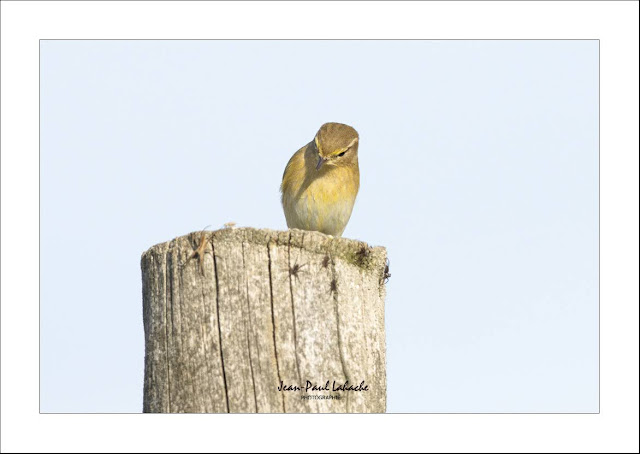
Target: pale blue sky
{"x":479,"y":173}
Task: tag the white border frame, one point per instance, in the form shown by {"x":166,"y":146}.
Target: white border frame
{"x":614,"y":23}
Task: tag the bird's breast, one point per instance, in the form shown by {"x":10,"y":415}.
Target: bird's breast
{"x":324,"y":203}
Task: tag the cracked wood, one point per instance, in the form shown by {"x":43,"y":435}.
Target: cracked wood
{"x":259,"y":308}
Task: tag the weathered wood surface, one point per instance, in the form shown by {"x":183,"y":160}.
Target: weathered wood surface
{"x":267,"y":307}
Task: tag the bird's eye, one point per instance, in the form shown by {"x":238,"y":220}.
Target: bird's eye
{"x":342,"y":154}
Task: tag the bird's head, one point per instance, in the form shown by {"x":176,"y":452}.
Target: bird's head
{"x":336,"y":145}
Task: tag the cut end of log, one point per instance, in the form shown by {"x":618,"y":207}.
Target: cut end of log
{"x":265,"y":321}
{"x":352,"y":251}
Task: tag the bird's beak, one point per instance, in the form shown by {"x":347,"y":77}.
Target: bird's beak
{"x":321,"y":161}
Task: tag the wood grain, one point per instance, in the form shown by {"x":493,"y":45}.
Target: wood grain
{"x":265,"y":308}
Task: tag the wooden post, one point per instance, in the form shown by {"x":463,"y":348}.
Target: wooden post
{"x":262,"y":309}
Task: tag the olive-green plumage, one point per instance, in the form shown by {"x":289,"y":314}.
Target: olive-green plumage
{"x":321,"y":181}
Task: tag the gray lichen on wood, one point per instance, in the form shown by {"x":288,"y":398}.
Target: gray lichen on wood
{"x":267,"y":307}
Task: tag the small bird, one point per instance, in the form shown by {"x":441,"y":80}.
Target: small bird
{"x":321,"y":181}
